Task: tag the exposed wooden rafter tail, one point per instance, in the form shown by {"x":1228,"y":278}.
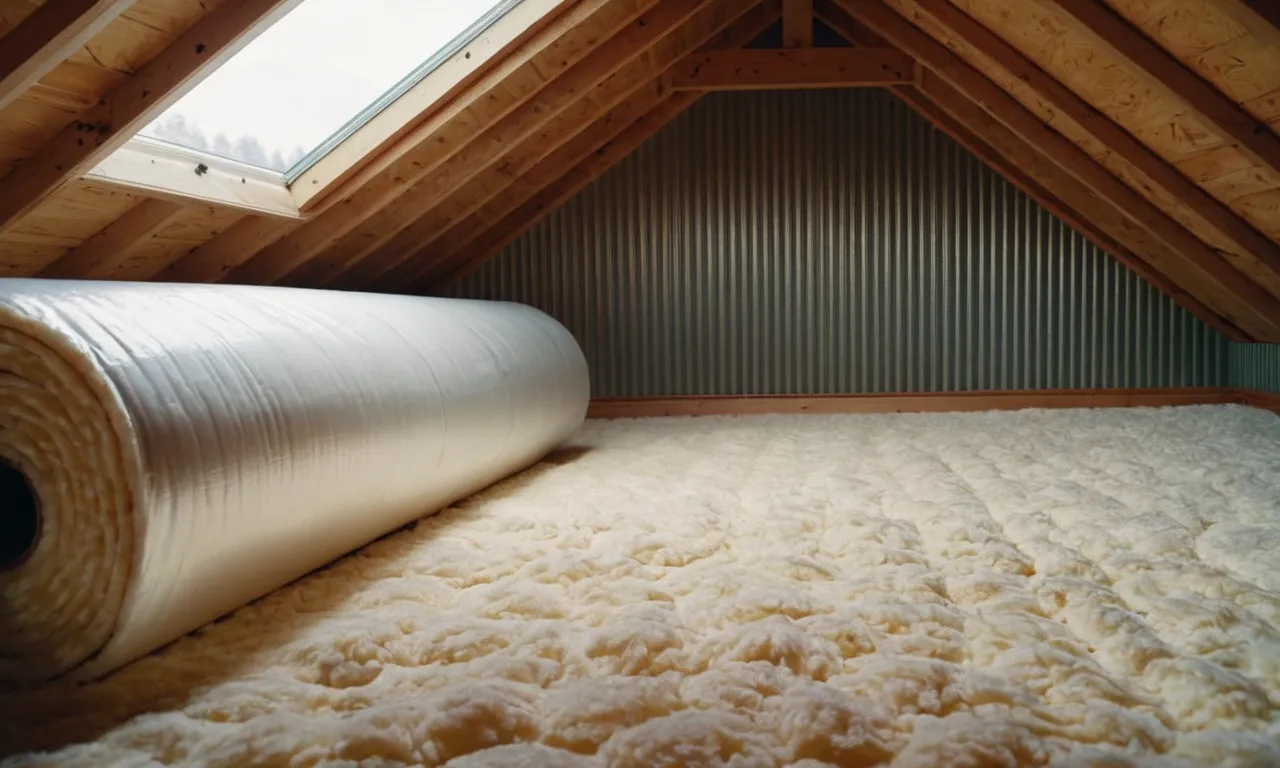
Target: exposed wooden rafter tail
{"x":134,"y":103}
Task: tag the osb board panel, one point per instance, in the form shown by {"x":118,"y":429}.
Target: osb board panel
{"x":1218,"y":163}
{"x":115,"y":53}
{"x":1116,"y":88}
{"x":1214,"y":45}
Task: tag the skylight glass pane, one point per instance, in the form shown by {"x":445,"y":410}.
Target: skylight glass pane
{"x":311,"y":73}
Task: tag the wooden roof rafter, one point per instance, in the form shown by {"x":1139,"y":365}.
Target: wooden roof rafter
{"x":576,"y":164}
{"x":627,"y":69}
{"x":797,"y":23}
{"x":1026,"y":168}
{"x":103,"y":253}
{"x":1250,"y":135}
{"x":404,"y":124}
{"x":46,"y":38}
{"x":793,"y":68}
{"x":1161,"y":240}
{"x":1264,"y":264}
{"x":1261,"y":17}
{"x":393,"y":228}
{"x":450,"y":131}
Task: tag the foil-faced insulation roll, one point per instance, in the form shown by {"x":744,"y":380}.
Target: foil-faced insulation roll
{"x":169,"y":453}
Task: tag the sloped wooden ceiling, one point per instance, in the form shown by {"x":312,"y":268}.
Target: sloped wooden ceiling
{"x":1148,"y":125}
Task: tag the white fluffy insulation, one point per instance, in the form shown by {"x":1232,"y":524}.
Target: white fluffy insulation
{"x":1064,"y":587}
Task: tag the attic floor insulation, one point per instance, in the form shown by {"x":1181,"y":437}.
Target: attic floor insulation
{"x":1040,"y":587}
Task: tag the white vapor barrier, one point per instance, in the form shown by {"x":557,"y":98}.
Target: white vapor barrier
{"x":169,"y":453}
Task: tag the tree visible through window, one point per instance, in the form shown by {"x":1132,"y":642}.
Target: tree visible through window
{"x":312,"y":72}
{"x":246,"y":149}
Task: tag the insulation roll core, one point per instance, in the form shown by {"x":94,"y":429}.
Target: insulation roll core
{"x":169,"y":453}
{"x":21,"y":523}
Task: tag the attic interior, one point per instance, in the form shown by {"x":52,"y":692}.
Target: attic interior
{"x":640,"y":382}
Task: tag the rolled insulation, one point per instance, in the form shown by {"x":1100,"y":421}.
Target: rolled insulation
{"x":169,"y":453}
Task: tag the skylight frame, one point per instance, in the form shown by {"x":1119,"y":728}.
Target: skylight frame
{"x":403,"y":86}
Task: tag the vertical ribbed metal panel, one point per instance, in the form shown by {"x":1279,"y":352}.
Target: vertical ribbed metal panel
{"x":1256,"y":366}
{"x":833,"y":242}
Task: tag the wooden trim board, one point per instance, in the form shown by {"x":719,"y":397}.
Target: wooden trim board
{"x":625,"y":408}
{"x":1267,"y":401}
{"x":161,"y":169}
{"x":793,"y":68}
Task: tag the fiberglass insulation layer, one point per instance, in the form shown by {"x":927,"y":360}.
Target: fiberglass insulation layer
{"x":1072,"y":588}
{"x":190,"y":448}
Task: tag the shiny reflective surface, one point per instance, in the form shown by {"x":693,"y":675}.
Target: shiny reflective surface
{"x":194,"y":447}
{"x":831,"y":241}
{"x":1256,"y":366}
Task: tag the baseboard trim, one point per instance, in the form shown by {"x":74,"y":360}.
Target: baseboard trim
{"x":1268,"y":401}
{"x":634,"y":408}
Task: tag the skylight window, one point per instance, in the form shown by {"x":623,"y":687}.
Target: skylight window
{"x":316,"y":74}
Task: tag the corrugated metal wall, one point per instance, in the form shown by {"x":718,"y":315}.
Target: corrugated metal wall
{"x":1256,"y":366}
{"x":833,"y":242}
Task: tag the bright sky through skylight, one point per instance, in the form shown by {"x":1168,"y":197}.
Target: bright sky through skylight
{"x":302,"y":79}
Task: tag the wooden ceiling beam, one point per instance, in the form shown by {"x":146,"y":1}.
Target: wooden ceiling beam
{"x":1252,"y":136}
{"x":438,"y":254}
{"x":1265,"y":265}
{"x":135,"y":102}
{"x":618,"y":67}
{"x":789,"y":69}
{"x":797,"y":23}
{"x":1238,"y":298}
{"x":48,"y":37}
{"x":101,"y":255}
{"x":559,"y":192}
{"x":456,"y":136}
